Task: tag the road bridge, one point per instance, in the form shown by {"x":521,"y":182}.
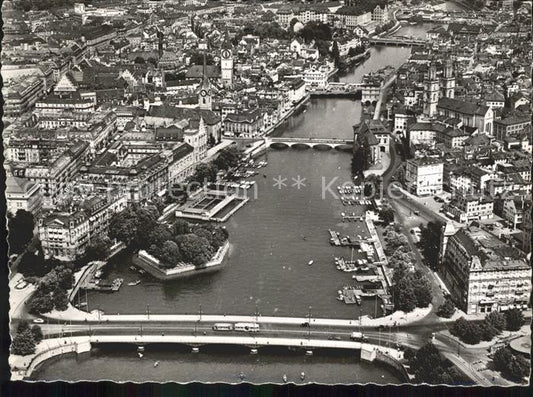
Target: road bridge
{"x":397,"y":41}
{"x":310,"y":142}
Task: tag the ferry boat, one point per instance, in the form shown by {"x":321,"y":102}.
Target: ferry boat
{"x":134,"y":283}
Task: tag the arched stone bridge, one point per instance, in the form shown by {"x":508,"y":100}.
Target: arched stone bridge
{"x":318,"y":143}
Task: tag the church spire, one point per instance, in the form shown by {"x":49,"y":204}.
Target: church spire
{"x":204,"y":73}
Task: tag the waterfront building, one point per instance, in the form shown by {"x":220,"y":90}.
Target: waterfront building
{"x":316,"y":76}
{"x":424,"y":176}
{"x":244,"y":124}
{"x":65,"y":235}
{"x":380,"y":14}
{"x":373,"y":135}
{"x":485,"y":274}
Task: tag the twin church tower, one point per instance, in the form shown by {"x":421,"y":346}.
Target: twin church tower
{"x":433,"y":85}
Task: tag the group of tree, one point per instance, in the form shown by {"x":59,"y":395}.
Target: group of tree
{"x":266,"y":30}
{"x":410,"y":289}
{"x":29,"y":5}
{"x":428,"y":366}
{"x":511,"y":365}
{"x":51,"y":292}
{"x":361,"y":7}
{"x":20,"y":228}
{"x":183,"y":242}
{"x":471,"y":332}
{"x":383,"y":28}
{"x":396,"y":247}
{"x":207,"y":172}
{"x":133,"y":224}
{"x":354,"y":51}
{"x":318,"y":32}
{"x":26,"y":339}
{"x":430,"y":240}
{"x":387,"y":215}
{"x":447,"y":309}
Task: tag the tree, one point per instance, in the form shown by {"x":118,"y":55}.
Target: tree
{"x":387,"y":214}
{"x":430,"y":238}
{"x":487,"y":330}
{"x":170,"y":253}
{"x":509,"y":364}
{"x":98,"y":249}
{"x":335,"y":54}
{"x":429,"y":366}
{"x":23,"y":343}
{"x":41,"y":302}
{"x":33,"y":264}
{"x":228,"y":158}
{"x":122,"y":226}
{"x":497,"y":320}
{"x":159,"y":235}
{"x":37,"y":333}
{"x":22,"y":326}
{"x":204,"y":173}
{"x":180,"y":227}
{"x":514,"y":319}
{"x":139,"y":60}
{"x":447,"y":309}
{"x":60,"y":300}
{"x":466,"y":331}
{"x":20,"y":231}
{"x":194,"y":249}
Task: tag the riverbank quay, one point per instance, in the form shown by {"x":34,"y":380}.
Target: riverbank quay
{"x":22,"y":367}
{"x":152,"y":265}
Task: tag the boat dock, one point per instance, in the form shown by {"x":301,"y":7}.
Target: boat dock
{"x":99,"y":285}
{"x":334,"y":240}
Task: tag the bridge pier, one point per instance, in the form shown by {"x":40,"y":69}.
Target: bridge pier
{"x":195,"y":350}
{"x":253,"y":351}
{"x":308,"y":352}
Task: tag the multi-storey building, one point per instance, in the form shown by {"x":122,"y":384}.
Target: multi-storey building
{"x":424,"y":176}
{"x":484,"y":274}
{"x":472,"y":115}
{"x":470,"y":207}
{"x":65,"y":235}
{"x":22,"y":194}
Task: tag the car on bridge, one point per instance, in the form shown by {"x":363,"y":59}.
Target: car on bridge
{"x":306,"y":324}
{"x":334,"y":337}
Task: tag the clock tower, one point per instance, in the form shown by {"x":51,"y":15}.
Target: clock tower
{"x":226,"y":63}
{"x":204,"y":96}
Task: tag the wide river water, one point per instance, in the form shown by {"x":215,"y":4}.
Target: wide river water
{"x":273,"y":238}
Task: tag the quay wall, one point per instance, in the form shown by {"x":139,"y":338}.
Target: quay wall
{"x":398,"y":367}
{"x":144,"y":260}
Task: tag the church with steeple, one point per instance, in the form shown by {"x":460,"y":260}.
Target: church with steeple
{"x":205,"y":94}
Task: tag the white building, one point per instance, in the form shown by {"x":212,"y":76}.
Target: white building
{"x":424,"y":176}
{"x":485,"y":274}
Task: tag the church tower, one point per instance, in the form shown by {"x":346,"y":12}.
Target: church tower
{"x":204,"y":98}
{"x":226,"y":63}
{"x":449,"y":79}
{"x":431,"y":94}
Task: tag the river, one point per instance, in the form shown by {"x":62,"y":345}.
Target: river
{"x":273,"y":238}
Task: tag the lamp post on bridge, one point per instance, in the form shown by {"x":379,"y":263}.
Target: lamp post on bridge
{"x":148,"y":311}
{"x":309,"y":321}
